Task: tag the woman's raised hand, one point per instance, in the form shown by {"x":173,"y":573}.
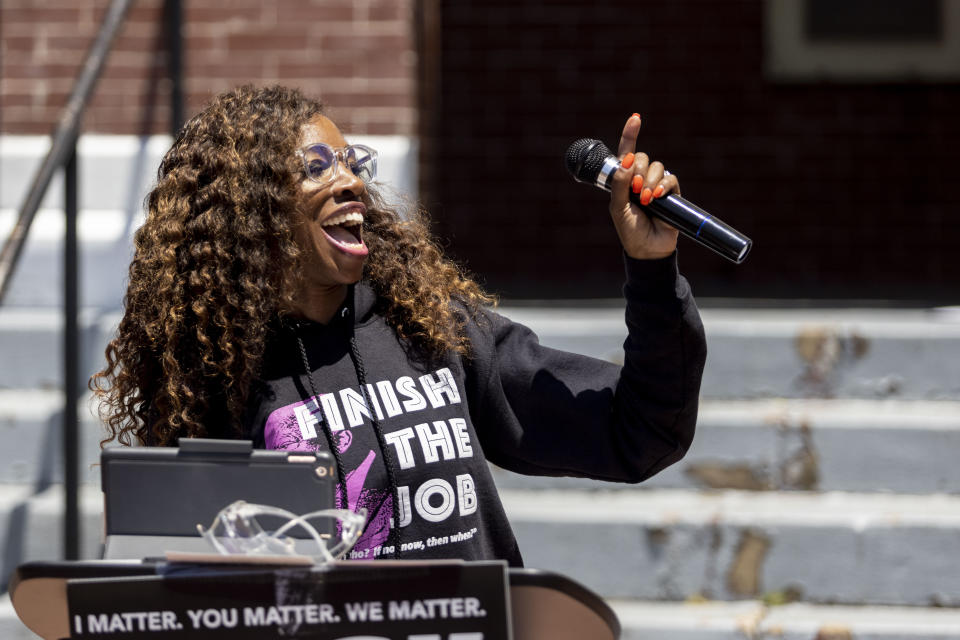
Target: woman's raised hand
{"x":642,"y":236}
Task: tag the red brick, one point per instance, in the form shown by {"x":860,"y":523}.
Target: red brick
{"x":319,"y":69}
{"x":19,"y":43}
{"x":203,"y":46}
{"x":40,"y":70}
{"x":302,"y":12}
{"x":359,"y":100}
{"x":248,"y":67}
{"x":74,"y":42}
{"x":20,"y":20}
{"x":227,"y":6}
{"x":228,"y":42}
{"x":355,"y":44}
{"x":145,"y":11}
{"x":266,"y":42}
{"x":253,"y":14}
{"x":390,"y":10}
{"x":11,"y":100}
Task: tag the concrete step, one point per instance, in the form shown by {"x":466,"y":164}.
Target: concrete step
{"x":823,"y":445}
{"x":31,"y":346}
{"x":115,"y":174}
{"x":31,"y":425}
{"x":33,"y":525}
{"x":752,"y":620}
{"x":866,"y":354}
{"x":831,"y":548}
{"x":826,"y":445}
{"x":788,"y":353}
{"x":10,"y":626}
{"x":838,"y":548}
{"x":106,"y":248}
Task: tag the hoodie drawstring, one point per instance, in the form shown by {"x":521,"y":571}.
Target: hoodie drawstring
{"x":394,"y":535}
{"x":331,"y":441}
{"x":381,"y":441}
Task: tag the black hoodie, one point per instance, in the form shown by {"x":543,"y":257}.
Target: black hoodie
{"x":513,"y":402}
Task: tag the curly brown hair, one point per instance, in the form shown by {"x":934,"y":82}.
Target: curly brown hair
{"x":216,"y":264}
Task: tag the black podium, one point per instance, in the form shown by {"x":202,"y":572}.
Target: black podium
{"x":371,"y":600}
{"x":190,"y":593}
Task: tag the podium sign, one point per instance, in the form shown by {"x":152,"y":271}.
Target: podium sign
{"x":375,"y":601}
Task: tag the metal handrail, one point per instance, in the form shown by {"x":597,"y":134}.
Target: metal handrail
{"x":63,"y":153}
{"x":64,"y":138}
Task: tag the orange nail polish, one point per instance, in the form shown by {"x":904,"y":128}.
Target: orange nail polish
{"x":627,"y":161}
{"x":658,"y":191}
{"x":646,"y":196}
{"x":637,"y":184}
{"x":636,"y":115}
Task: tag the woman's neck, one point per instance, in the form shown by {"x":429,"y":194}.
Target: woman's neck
{"x":320,"y":303}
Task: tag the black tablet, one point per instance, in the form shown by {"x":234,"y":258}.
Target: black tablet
{"x":156,"y":496}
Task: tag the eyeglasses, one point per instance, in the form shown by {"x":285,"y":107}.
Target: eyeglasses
{"x":321,"y":162}
{"x":235,"y":531}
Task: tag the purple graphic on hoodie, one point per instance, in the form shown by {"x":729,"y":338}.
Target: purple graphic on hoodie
{"x":283,"y":431}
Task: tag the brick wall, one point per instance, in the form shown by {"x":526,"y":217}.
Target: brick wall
{"x":846,"y":189}
{"x":356,"y":55}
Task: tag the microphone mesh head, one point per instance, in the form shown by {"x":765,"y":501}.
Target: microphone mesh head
{"x":585,"y":158}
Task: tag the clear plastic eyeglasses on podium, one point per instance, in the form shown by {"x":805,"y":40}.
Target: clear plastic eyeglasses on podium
{"x":236,"y":531}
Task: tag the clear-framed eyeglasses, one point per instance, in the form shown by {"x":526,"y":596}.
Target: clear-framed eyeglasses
{"x":322,"y":163}
{"x":236,"y":531}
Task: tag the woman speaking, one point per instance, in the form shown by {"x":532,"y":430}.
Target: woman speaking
{"x":275,"y":296}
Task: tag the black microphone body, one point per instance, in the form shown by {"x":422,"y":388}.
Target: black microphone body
{"x":590,"y":161}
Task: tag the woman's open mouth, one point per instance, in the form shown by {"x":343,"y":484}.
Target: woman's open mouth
{"x":345,"y":233}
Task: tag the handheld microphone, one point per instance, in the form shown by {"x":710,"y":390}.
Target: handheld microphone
{"x":590,"y":161}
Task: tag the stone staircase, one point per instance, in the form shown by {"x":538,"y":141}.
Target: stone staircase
{"x":821,"y":497}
